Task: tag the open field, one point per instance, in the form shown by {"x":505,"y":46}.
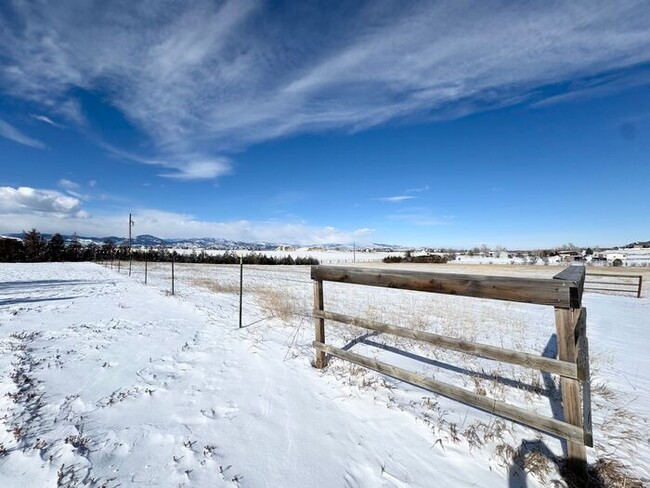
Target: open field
{"x":108,"y":382}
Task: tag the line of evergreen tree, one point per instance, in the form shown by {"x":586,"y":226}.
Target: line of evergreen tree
{"x":409,"y":258}
{"x":35,"y":249}
{"x":227,"y":257}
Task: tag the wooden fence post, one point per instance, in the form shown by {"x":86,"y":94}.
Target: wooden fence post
{"x":566,"y":320}
{"x":321,"y":356}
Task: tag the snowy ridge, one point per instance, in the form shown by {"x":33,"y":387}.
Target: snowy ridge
{"x":216,"y":243}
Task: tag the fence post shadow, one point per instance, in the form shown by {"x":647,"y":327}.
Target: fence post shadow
{"x":359,"y":340}
{"x":553,"y":391}
{"x":516,"y":470}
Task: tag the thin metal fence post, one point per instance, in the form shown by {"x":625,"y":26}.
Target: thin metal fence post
{"x":145,"y":269}
{"x":241,"y":287}
{"x":172,"y":273}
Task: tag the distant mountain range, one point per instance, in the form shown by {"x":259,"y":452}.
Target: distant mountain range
{"x":147,"y":240}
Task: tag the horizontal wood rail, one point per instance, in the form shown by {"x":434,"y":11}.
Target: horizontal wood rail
{"x":564,"y":368}
{"x":563,"y":292}
{"x":545,"y":424}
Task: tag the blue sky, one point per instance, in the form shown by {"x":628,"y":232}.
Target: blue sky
{"x":435,"y":123}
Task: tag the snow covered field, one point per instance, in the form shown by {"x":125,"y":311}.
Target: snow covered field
{"x":107,"y":382}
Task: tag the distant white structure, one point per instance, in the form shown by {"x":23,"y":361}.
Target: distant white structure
{"x":626,"y":257}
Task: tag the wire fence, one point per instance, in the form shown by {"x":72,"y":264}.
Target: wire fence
{"x":260,"y":291}
{"x":264,"y":290}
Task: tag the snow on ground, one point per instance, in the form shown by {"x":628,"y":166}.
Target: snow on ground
{"x":107,"y":382}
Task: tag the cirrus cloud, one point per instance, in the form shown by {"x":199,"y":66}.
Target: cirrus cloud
{"x":8,"y":131}
{"x":396,"y":198}
{"x":204,"y":78}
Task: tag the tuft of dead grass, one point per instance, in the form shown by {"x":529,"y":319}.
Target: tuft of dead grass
{"x":281,"y":304}
{"x":216,"y":286}
{"x":610,"y":473}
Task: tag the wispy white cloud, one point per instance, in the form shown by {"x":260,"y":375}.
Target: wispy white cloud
{"x":68,"y":184}
{"x":418,"y":190}
{"x":74,"y":189}
{"x":593,"y":87}
{"x":188,"y":166}
{"x":419,"y":216}
{"x":204,"y":78}
{"x":196,"y":167}
{"x":10,"y":132}
{"x":396,"y":198}
{"x":46,"y":120}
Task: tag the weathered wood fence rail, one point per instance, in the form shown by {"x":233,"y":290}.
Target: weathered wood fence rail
{"x":603,"y":282}
{"x":564,"y":292}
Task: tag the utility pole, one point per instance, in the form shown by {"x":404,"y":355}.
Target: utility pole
{"x":130,"y":258}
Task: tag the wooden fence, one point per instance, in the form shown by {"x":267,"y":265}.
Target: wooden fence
{"x":564,"y":292}
{"x":603,"y":282}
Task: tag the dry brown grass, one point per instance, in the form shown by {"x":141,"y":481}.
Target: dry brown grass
{"x":216,"y":286}
{"x":279,"y":303}
{"x":610,"y":473}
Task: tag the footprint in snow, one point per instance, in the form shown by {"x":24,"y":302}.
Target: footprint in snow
{"x":229,"y":412}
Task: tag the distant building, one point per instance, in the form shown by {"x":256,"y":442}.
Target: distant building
{"x":499,"y":254}
{"x":568,"y":256}
{"x":285,"y":248}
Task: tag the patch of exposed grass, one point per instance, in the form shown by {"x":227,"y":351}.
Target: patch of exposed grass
{"x":216,"y":286}
{"x":279,"y":303}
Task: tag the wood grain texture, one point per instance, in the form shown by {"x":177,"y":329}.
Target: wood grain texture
{"x":576,"y":276}
{"x":564,"y":368}
{"x":510,"y":412}
{"x":565,"y":322}
{"x":582,"y":345}
{"x":555,"y":292}
{"x":319,"y":323}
